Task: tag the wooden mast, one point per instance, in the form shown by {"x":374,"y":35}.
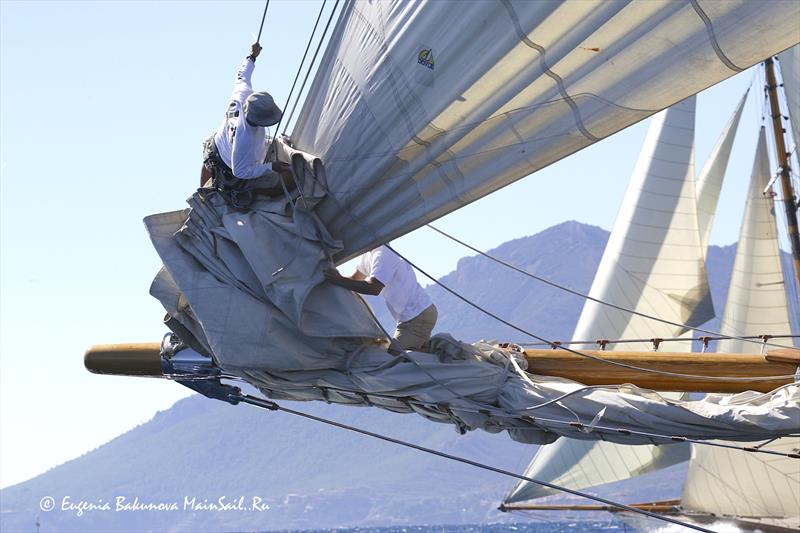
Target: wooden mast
{"x":790,"y":206}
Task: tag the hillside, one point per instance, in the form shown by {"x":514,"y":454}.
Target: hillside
{"x":308,"y":474}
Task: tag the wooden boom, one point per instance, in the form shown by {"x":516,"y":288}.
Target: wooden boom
{"x":144,"y":360}
{"x":718,"y":366}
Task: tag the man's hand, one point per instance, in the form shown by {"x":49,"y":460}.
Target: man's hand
{"x":255,"y":49}
{"x":331,"y":274}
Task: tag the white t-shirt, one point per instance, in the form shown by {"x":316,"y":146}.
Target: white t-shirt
{"x":405,"y":298}
{"x":243,"y":147}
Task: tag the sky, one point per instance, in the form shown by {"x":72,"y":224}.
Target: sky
{"x":103,"y":108}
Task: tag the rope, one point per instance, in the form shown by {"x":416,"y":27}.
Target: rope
{"x":576,"y":352}
{"x":263,"y":18}
{"x":659,"y":339}
{"x":300,"y":68}
{"x":272,"y":406}
{"x":311,"y":65}
{"x":596,"y":300}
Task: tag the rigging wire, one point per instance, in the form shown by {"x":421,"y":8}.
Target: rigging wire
{"x":311,"y":65}
{"x":272,"y":406}
{"x":581,"y":426}
{"x":263,"y":18}
{"x":659,"y":339}
{"x":576,"y":352}
{"x":482,"y":409}
{"x":591,"y":298}
{"x":525,"y":332}
{"x":300,"y":67}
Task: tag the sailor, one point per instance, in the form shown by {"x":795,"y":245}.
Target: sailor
{"x":381,"y":271}
{"x":238,"y":150}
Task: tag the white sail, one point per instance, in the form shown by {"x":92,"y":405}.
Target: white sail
{"x":756,"y":303}
{"x":790,"y":72}
{"x":416,"y":112}
{"x":730,"y":482}
{"x":653,"y":263}
{"x":709,"y":181}
{"x":735,"y":483}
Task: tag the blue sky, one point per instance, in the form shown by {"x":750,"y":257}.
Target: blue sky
{"x":103,"y":107}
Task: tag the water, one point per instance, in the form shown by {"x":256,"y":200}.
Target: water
{"x":522,"y":527}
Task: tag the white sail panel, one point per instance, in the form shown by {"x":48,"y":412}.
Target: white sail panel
{"x":757,"y":303}
{"x":653,"y":263}
{"x":735,"y":483}
{"x":654,"y":259}
{"x":416,"y":113}
{"x":578,"y":464}
{"x":790,"y":72}
{"x":709,"y":181}
{"x":730,"y":482}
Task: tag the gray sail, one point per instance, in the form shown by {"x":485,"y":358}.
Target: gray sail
{"x":414,"y":117}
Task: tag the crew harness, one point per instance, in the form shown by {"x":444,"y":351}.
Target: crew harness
{"x":237,"y":192}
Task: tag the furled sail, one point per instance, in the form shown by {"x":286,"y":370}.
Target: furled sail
{"x":729,"y":482}
{"x":653,"y":263}
{"x":414,"y":117}
{"x":790,"y":72}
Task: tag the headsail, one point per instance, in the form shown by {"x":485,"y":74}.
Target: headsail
{"x":415,"y":118}
{"x":653,"y":263}
{"x":727,"y":482}
{"x":709,"y":181}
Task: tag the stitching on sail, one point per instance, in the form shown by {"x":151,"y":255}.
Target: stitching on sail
{"x":546,"y":69}
{"x":713,"y":38}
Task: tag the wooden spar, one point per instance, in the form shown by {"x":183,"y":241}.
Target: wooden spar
{"x":790,"y":206}
{"x":129,"y":359}
{"x":144,"y":360}
{"x":663,"y":506}
{"x":568,"y":365}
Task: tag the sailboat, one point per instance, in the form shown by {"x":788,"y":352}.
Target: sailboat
{"x":728,"y":483}
{"x":408,"y":119}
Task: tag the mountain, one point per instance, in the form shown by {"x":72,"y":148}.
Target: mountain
{"x":201,"y":453}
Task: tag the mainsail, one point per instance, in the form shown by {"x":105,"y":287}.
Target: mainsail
{"x":654,"y":264}
{"x":727,"y":482}
{"x":415,"y":117}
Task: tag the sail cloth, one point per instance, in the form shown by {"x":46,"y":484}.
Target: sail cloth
{"x":653,"y":263}
{"x":729,"y":482}
{"x":416,"y":112}
{"x":250,"y":286}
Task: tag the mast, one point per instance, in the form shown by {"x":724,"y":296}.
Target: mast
{"x":790,"y":206}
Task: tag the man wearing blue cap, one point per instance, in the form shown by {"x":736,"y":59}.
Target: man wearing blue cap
{"x":238,"y":150}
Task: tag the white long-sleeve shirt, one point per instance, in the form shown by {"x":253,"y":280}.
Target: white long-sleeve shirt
{"x":243,"y":147}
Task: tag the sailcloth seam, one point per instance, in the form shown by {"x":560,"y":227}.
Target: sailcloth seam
{"x":546,"y":69}
{"x":713,"y":38}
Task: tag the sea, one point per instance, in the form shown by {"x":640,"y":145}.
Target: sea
{"x":540,"y":527}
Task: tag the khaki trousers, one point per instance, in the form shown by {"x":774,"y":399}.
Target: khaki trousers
{"x":414,"y":334}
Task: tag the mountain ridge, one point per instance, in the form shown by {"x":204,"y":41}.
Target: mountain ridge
{"x":312,"y":476}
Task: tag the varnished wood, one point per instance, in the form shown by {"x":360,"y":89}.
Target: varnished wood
{"x":130,"y":359}
{"x":564,"y":364}
{"x":664,"y":506}
{"x":143,"y":359}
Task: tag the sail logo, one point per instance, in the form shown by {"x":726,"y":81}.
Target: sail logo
{"x":425,"y":58}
